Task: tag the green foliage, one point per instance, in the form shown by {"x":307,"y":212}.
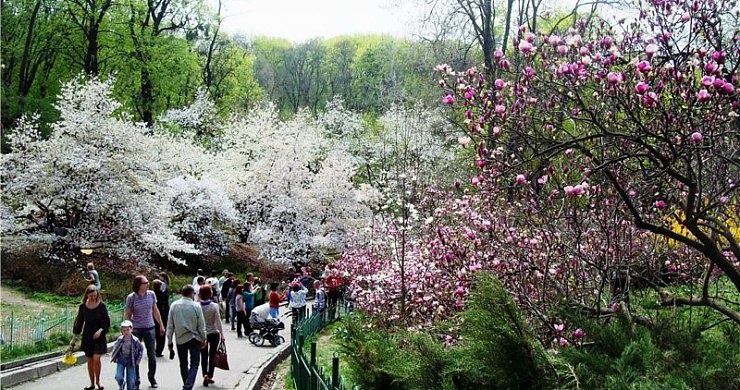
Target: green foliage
{"x":497,"y":351}
{"x":56,"y":342}
{"x":622,"y":355}
{"x":496,"y":336}
{"x":371,"y":355}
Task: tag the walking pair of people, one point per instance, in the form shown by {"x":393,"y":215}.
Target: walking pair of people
{"x":195,"y":328}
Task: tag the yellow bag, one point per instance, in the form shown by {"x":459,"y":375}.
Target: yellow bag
{"x":69,"y":359}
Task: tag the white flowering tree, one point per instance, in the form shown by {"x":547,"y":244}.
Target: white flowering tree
{"x":202,"y":213}
{"x":96,"y":180}
{"x":294,"y":192}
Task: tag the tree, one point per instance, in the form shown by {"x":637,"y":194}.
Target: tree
{"x":98,"y":180}
{"x":648,"y":118}
{"x":88,"y":16}
{"x":478,"y":20}
{"x":151,"y":28}
{"x":294,"y":193}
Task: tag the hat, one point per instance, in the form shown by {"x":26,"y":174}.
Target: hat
{"x":127,"y":323}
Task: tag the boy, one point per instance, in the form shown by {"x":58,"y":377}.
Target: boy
{"x":127,"y":354}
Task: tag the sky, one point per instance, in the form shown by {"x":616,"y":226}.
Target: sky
{"x":300,"y":20}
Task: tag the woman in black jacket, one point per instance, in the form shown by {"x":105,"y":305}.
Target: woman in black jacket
{"x":162,"y":292}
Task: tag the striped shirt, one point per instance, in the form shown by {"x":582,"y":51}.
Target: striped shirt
{"x":141,"y":309}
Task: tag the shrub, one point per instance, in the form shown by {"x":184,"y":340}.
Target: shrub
{"x":622,"y":355}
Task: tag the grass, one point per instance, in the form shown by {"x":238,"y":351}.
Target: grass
{"x":645,"y":302}
{"x":24,"y":303}
{"x":288,"y":379}
{"x":326,"y":346}
{"x":56,"y":342}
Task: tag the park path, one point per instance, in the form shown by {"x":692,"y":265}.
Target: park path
{"x":242,"y":356}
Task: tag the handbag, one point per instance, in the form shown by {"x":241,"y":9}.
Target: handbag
{"x":221,"y":360}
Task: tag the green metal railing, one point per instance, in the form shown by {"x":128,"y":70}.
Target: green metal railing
{"x":18,"y":332}
{"x":307,"y":375}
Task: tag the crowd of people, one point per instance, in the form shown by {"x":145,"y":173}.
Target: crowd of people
{"x":191,"y":325}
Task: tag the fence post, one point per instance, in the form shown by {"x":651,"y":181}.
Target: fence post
{"x":335,"y":371}
{"x":313,"y":353}
{"x":12,"y":328}
{"x":312,"y":385}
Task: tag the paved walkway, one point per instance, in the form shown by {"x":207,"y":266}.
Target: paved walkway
{"x":243,"y":356}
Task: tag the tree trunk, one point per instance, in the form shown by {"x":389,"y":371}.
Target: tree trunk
{"x":26,"y":80}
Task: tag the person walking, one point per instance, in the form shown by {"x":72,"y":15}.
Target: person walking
{"x":92,"y":276}
{"x":142,"y":311}
{"x":201,"y":282}
{"x":241,"y":311}
{"x":165,"y":282}
{"x":198,"y":274}
{"x":319,"y":303}
{"x":127,"y":354}
{"x":93,"y":322}
{"x":231,"y":301}
{"x":222,"y":279}
{"x":188,"y":327}
{"x":297,"y":301}
{"x":225,"y":288}
{"x":163,"y":305}
{"x":214,"y":335}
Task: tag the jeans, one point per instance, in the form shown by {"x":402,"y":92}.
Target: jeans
{"x":189,"y":374}
{"x":148,"y":337}
{"x":207,"y":354}
{"x":274,"y":312}
{"x":129,"y":377}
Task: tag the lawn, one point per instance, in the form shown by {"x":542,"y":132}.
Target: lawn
{"x":326,"y":346}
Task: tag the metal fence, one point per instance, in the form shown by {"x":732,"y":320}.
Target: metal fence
{"x":22,"y":331}
{"x":307,"y":375}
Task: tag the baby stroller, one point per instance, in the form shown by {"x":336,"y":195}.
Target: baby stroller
{"x":267,"y":330}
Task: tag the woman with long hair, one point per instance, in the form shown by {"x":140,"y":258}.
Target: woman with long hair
{"x":93,"y":322}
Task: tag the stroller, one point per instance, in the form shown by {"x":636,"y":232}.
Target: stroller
{"x":267,"y":330}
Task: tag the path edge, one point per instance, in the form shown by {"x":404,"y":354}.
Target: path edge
{"x":254,"y":377}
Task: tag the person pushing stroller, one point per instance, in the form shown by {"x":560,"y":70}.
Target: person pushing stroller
{"x":264,"y":326}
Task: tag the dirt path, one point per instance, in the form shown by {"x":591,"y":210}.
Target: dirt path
{"x":13,"y":300}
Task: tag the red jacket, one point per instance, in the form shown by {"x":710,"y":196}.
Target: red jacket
{"x":275,"y":299}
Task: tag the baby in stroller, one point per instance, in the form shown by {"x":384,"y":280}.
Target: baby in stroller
{"x":265,"y":327}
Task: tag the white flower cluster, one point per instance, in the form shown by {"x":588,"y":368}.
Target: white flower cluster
{"x":102,"y":180}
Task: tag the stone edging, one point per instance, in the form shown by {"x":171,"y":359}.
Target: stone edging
{"x":255,"y":375}
{"x":34,"y":367}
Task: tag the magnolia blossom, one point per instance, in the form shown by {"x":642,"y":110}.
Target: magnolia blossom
{"x":641,"y":88}
{"x":703,"y":95}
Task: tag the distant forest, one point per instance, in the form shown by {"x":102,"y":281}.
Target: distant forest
{"x":161,"y":53}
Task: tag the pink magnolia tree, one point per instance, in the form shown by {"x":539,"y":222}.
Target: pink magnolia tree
{"x":606,"y":158}
{"x":647,"y":116}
